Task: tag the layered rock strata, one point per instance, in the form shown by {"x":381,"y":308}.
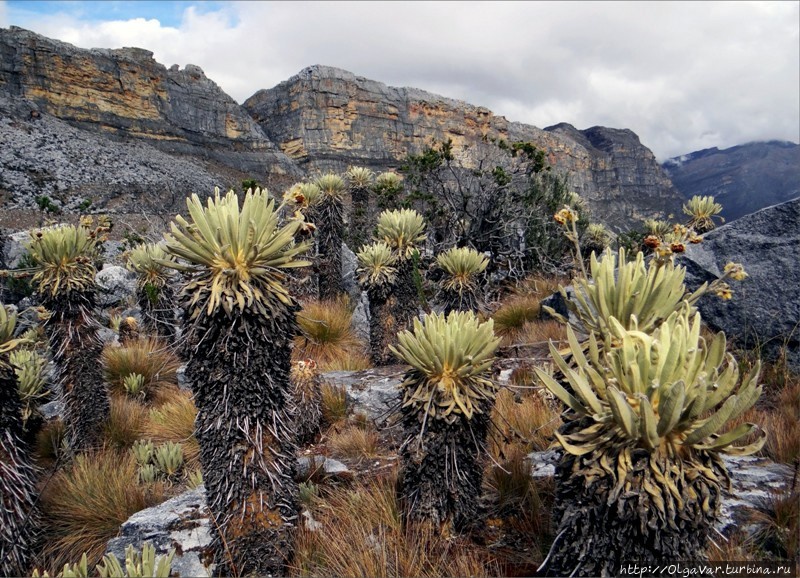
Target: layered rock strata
{"x":327,"y":119}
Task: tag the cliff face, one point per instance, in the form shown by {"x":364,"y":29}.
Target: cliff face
{"x":744,"y":179}
{"x":327,"y":118}
{"x":126,"y":94}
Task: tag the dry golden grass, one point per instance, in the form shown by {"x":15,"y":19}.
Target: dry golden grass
{"x":349,"y":362}
{"x":541,"y":286}
{"x":85,"y":503}
{"x":361,"y":535}
{"x":147,"y":356}
{"x":334,"y":403}
{"x":521,"y":503}
{"x":327,"y":336}
{"x":527,"y":424}
{"x":50,"y":441}
{"x":513,"y":315}
{"x":354,"y":442}
{"x":173,"y":421}
{"x":777,"y":521}
{"x":125,"y":423}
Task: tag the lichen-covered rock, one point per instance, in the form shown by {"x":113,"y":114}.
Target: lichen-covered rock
{"x":115,"y":286}
{"x":765,"y":308}
{"x":374,"y":392}
{"x":181,"y":523}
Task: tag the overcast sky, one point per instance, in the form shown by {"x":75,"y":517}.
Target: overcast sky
{"x":683,"y":75}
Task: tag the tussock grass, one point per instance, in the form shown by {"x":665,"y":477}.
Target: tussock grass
{"x":527,"y":424}
{"x":513,"y":315}
{"x":540,"y":286}
{"x":355,"y":442}
{"x":125,"y":423}
{"x":520,"y":503}
{"x":356,"y":361}
{"x":362,"y":535}
{"x":327,"y":336}
{"x":85,"y":503}
{"x":777,"y":521}
{"x":334,"y":403}
{"x":147,"y":356}
{"x":173,"y":421}
{"x":50,"y":441}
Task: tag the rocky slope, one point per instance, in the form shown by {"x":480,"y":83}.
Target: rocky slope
{"x":743,"y":178}
{"x":328,"y":118}
{"x":124,"y":96}
{"x":119,"y":129}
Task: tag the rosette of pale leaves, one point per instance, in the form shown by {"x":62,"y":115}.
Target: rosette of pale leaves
{"x":388,"y":180}
{"x":331,"y":185}
{"x":360,"y":177}
{"x":64,"y":258}
{"x":669,"y":391}
{"x":30,"y":369}
{"x":236,"y":255}
{"x":8,"y":322}
{"x":462,"y":265}
{"x":450,"y":358}
{"x":650,"y":293}
{"x":303,"y":195}
{"x":403,"y":230}
{"x":596,"y":236}
{"x":657,"y":228}
{"x":147,"y":261}
{"x":701,"y":210}
{"x":376,"y":265}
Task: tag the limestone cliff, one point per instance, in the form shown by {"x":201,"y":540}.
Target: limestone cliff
{"x":127,"y":95}
{"x":327,"y":118}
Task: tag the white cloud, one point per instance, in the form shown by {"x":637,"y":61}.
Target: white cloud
{"x":683,"y":76}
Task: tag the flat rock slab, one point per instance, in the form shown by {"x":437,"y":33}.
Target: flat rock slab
{"x":374,"y":392}
{"x":181,"y":523}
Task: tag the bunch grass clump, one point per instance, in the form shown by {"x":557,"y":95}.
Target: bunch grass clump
{"x":513,"y":316}
{"x":361,"y":534}
{"x":149,"y":357}
{"x":86,"y":502}
{"x":126,"y":422}
{"x":326,"y":333}
{"x":173,"y":421}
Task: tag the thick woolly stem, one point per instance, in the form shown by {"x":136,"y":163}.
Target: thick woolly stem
{"x":18,"y":518}
{"x":73,"y":334}
{"x":441,"y":469}
{"x":330,"y":227}
{"x":157,"y":305}
{"x":239,"y":370}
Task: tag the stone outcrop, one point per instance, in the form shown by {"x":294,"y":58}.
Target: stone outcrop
{"x":765,"y":308}
{"x":743,"y":179}
{"x":125,"y":95}
{"x":327,"y":118}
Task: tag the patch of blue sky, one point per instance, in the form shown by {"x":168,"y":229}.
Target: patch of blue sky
{"x":21,"y":12}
